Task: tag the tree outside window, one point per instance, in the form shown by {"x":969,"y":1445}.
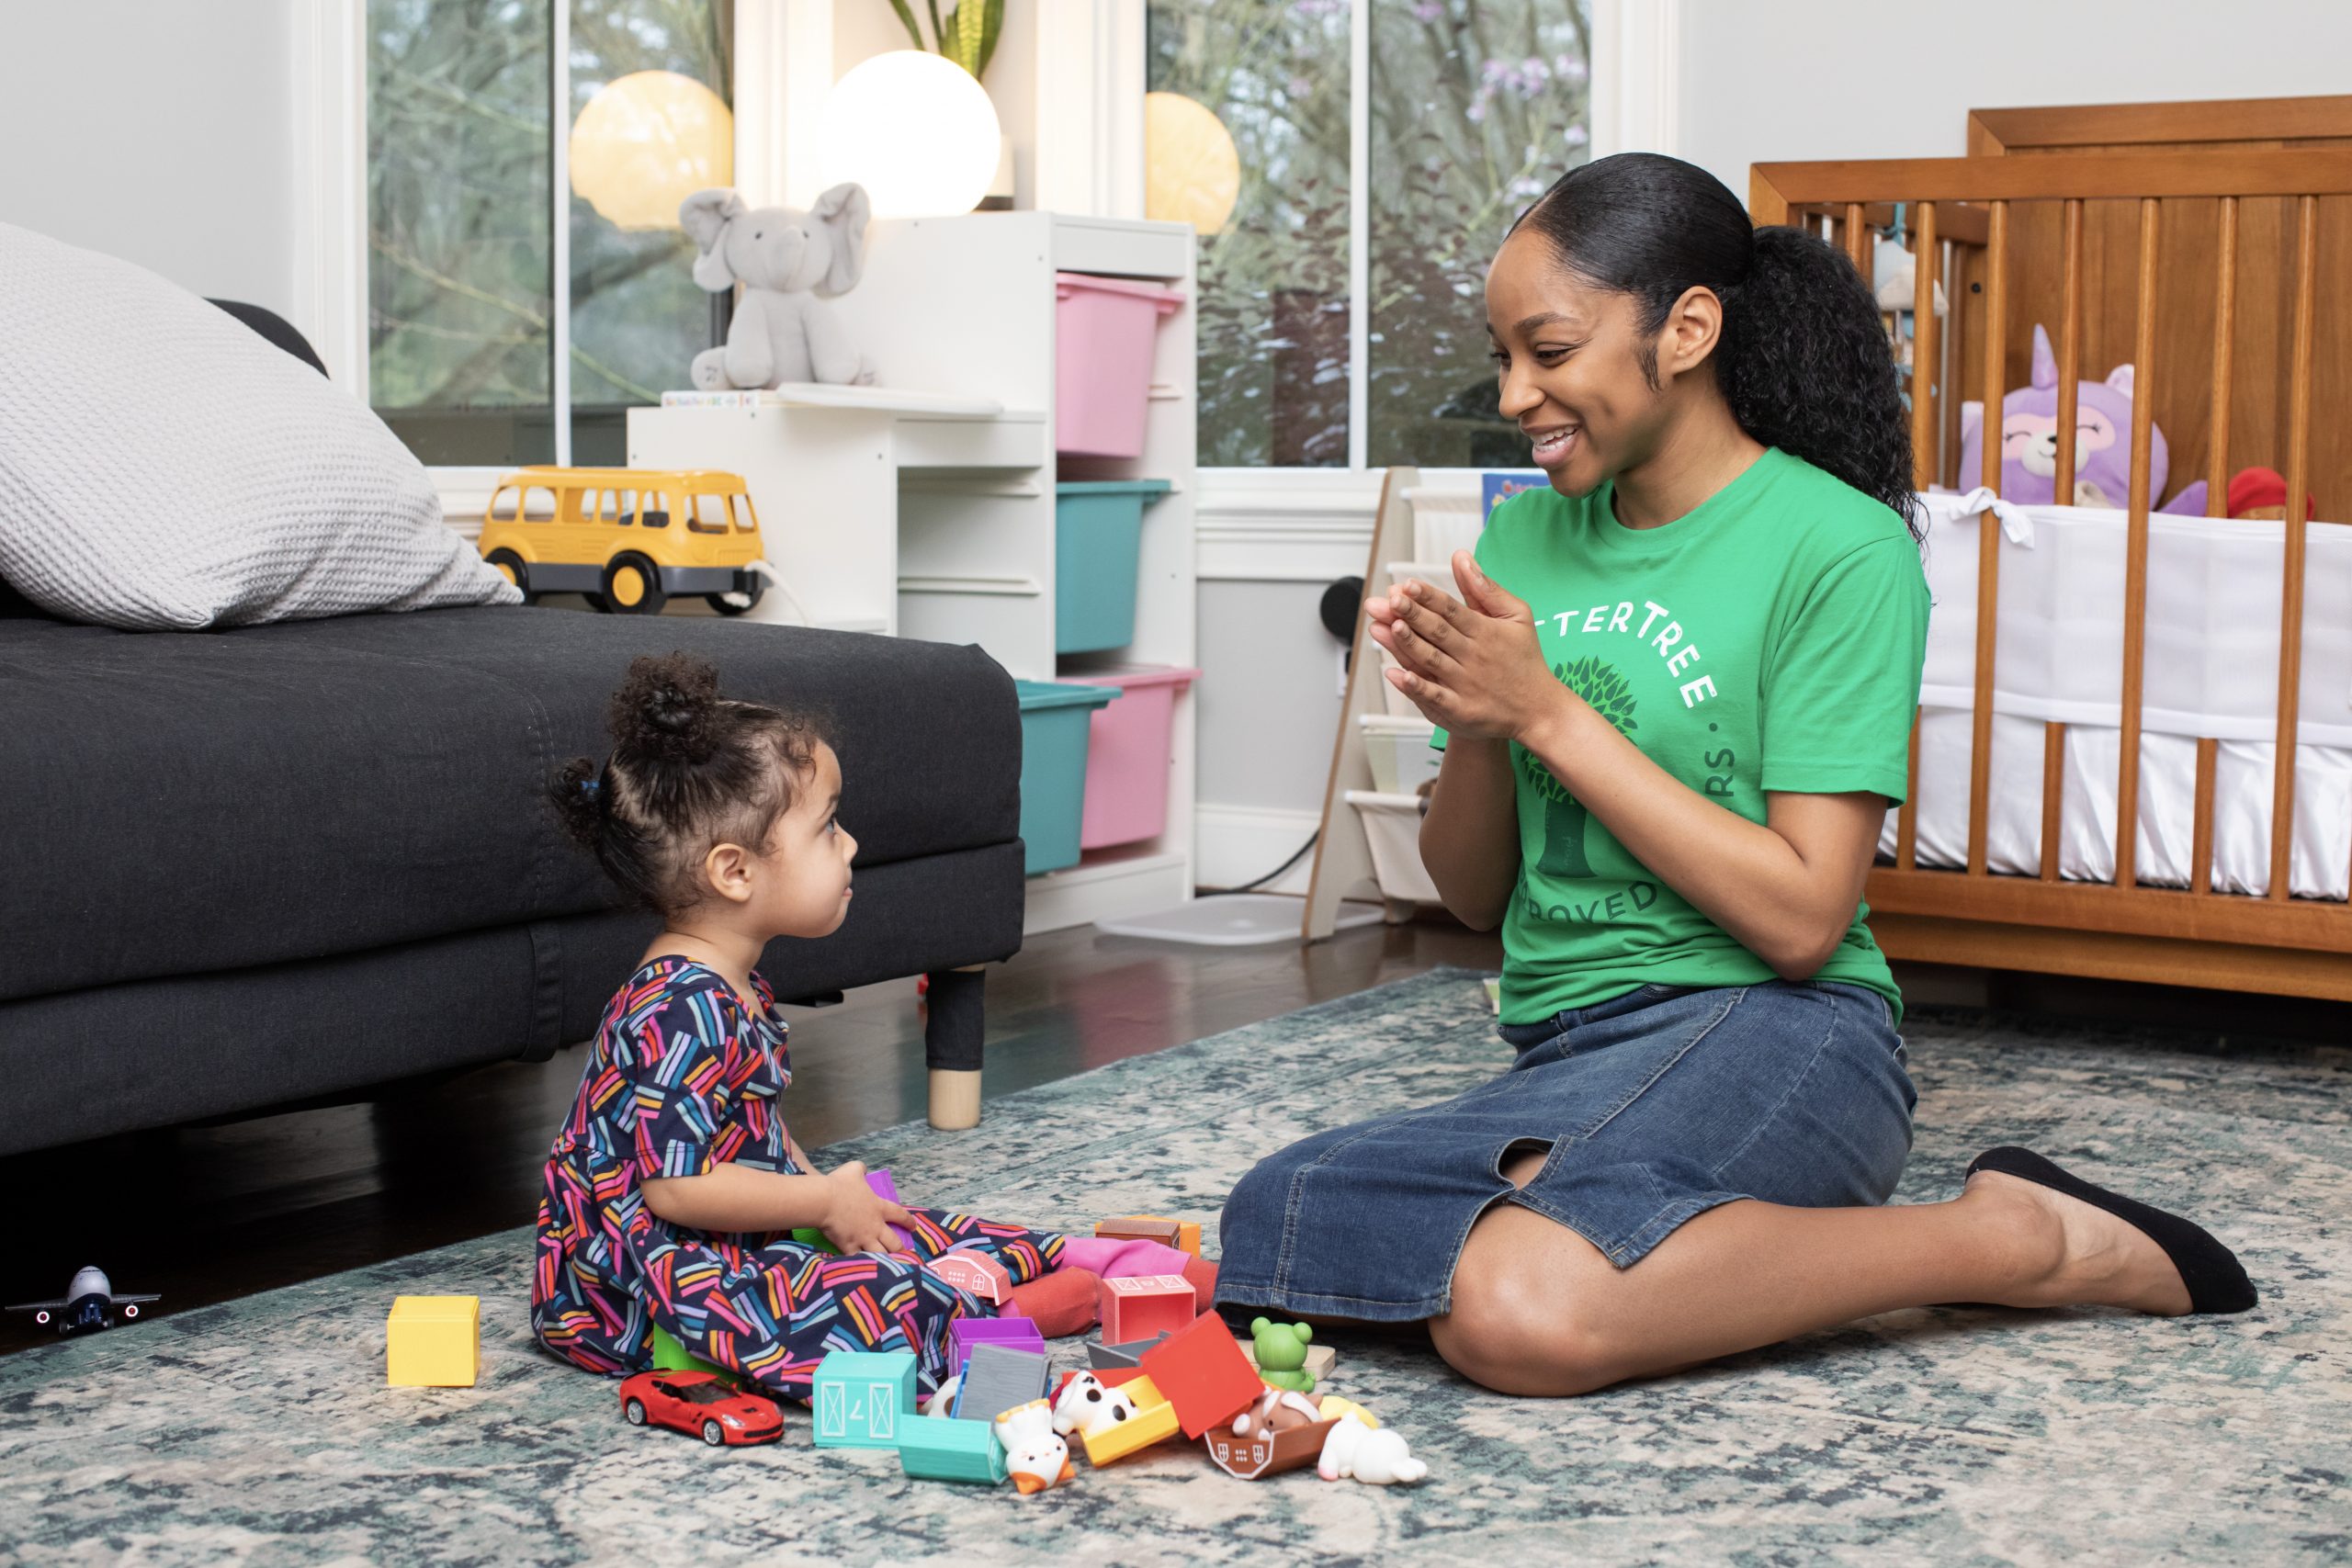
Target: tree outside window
{"x":461,"y":297}
{"x":1474,"y":107}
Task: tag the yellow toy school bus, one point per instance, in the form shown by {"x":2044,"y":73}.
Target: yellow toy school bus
{"x":629,"y":538}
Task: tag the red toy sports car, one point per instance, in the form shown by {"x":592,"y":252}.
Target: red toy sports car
{"x":702,"y":1404}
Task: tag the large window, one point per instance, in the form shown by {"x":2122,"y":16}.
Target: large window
{"x":1467,"y":110}
{"x":466,"y":317}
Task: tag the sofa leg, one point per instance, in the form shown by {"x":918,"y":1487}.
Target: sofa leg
{"x":951,"y":1040}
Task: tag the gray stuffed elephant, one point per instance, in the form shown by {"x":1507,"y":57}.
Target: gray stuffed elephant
{"x":788,"y":262}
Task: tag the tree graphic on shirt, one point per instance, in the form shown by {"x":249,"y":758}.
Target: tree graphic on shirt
{"x":1611,"y":695}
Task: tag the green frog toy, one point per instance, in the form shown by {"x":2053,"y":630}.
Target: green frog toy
{"x":1282,"y":1353}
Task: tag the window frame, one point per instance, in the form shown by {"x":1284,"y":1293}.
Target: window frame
{"x":328,"y":299}
{"x":1089,"y":77}
{"x":1637,"y":52}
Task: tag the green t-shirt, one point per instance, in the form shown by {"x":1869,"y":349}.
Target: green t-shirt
{"x":1770,"y":639}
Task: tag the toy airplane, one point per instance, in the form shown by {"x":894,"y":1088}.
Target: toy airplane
{"x":90,"y":1303}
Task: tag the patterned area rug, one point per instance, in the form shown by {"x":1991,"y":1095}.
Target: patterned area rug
{"x":261,"y":1431}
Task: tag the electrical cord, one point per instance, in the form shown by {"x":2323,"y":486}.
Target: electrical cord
{"x":1261,"y":882}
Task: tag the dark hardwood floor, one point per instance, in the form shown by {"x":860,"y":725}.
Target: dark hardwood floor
{"x":207,"y":1213}
{"x":204,"y":1214}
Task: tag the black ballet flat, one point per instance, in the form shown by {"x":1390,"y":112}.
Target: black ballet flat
{"x":2216,"y":1280}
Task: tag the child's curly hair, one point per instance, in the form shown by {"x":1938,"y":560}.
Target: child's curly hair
{"x":689,"y":770}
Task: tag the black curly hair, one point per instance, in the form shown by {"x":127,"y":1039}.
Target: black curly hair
{"x":1803,"y":359}
{"x":689,"y":770}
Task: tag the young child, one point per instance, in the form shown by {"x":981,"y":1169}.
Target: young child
{"x":673,"y":1184}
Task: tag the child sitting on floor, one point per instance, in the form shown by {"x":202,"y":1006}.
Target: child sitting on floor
{"x":673,"y":1184}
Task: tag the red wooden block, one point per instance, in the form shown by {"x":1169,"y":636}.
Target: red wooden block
{"x":1139,"y":1308}
{"x":1203,"y":1374}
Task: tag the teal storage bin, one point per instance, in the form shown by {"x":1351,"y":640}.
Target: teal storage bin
{"x":1054,"y":724}
{"x":1098,"y":549}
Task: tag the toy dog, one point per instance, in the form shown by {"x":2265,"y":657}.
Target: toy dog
{"x":1277,"y":1410}
{"x":1086,"y":1406}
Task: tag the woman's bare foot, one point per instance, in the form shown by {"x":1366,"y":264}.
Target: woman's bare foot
{"x":2073,"y":1254}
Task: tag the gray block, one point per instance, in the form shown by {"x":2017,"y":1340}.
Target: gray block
{"x":997,"y":1378}
{"x":1108,"y":1358}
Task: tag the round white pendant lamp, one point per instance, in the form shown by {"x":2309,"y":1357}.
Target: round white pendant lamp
{"x":646,"y":141}
{"x":1192,"y":170}
{"x":915,"y":130}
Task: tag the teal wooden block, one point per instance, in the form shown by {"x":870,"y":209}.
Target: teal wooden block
{"x":863,"y":1399}
{"x":934,"y":1448}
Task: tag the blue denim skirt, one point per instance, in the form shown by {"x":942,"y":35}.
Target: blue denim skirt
{"x":1655,"y":1106}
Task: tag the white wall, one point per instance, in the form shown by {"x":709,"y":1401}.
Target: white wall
{"x":156,"y":131}
{"x":1799,"y":79}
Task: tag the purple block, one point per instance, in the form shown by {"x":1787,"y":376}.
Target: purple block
{"x":888,"y":1189}
{"x":1013,"y":1333}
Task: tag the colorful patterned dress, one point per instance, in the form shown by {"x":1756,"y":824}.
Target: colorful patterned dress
{"x":681,"y":1076}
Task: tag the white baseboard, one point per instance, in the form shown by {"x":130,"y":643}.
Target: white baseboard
{"x":1234,"y":844}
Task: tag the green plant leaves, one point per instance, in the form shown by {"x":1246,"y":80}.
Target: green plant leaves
{"x":907,"y":19}
{"x":966,"y":35}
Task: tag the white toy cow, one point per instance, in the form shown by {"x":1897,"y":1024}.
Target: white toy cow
{"x":1379,"y":1458}
{"x":1087,"y":1406}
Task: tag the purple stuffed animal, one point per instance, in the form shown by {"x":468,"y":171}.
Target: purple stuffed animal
{"x":2102,"y":441}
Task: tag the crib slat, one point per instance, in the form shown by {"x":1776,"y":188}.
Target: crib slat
{"x":2135,"y":550}
{"x":2070,"y":316}
{"x":2053,"y":796}
{"x":1988,"y":533}
{"x":1906,"y":815}
{"x":2226,"y":321}
{"x":1952,"y":338}
{"x":1923,"y":345}
{"x":1858,"y":241}
{"x":2291,"y":618}
{"x":2201,"y":849}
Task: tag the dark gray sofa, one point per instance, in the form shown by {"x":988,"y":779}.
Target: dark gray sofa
{"x":259,"y":866}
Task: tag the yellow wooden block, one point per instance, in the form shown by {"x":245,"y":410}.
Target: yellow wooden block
{"x":1155,"y":1423}
{"x":433,"y":1342}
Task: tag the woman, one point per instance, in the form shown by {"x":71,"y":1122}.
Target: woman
{"x":1675,"y":698}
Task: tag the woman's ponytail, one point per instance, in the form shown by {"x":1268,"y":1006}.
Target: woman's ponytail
{"x":1804,"y":365}
{"x":1803,"y":360}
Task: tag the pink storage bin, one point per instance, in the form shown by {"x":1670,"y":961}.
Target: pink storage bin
{"x":1103,"y":333}
{"x":1129,"y":747}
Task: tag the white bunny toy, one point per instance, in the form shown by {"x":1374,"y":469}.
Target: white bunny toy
{"x":1036,"y":1457}
{"x":1087,"y":1406}
{"x":1379,"y":1458}
{"x":789,"y":264}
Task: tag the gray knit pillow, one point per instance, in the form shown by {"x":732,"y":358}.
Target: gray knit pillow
{"x":163,"y":467}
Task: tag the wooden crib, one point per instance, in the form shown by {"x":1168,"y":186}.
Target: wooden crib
{"x":2192,"y":219}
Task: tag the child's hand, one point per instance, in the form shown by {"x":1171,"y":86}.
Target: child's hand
{"x":857,"y":1219}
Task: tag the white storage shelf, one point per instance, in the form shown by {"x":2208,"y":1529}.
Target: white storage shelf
{"x":935,"y":521}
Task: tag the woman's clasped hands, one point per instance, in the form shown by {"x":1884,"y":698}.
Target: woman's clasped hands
{"x":1471,"y":665}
